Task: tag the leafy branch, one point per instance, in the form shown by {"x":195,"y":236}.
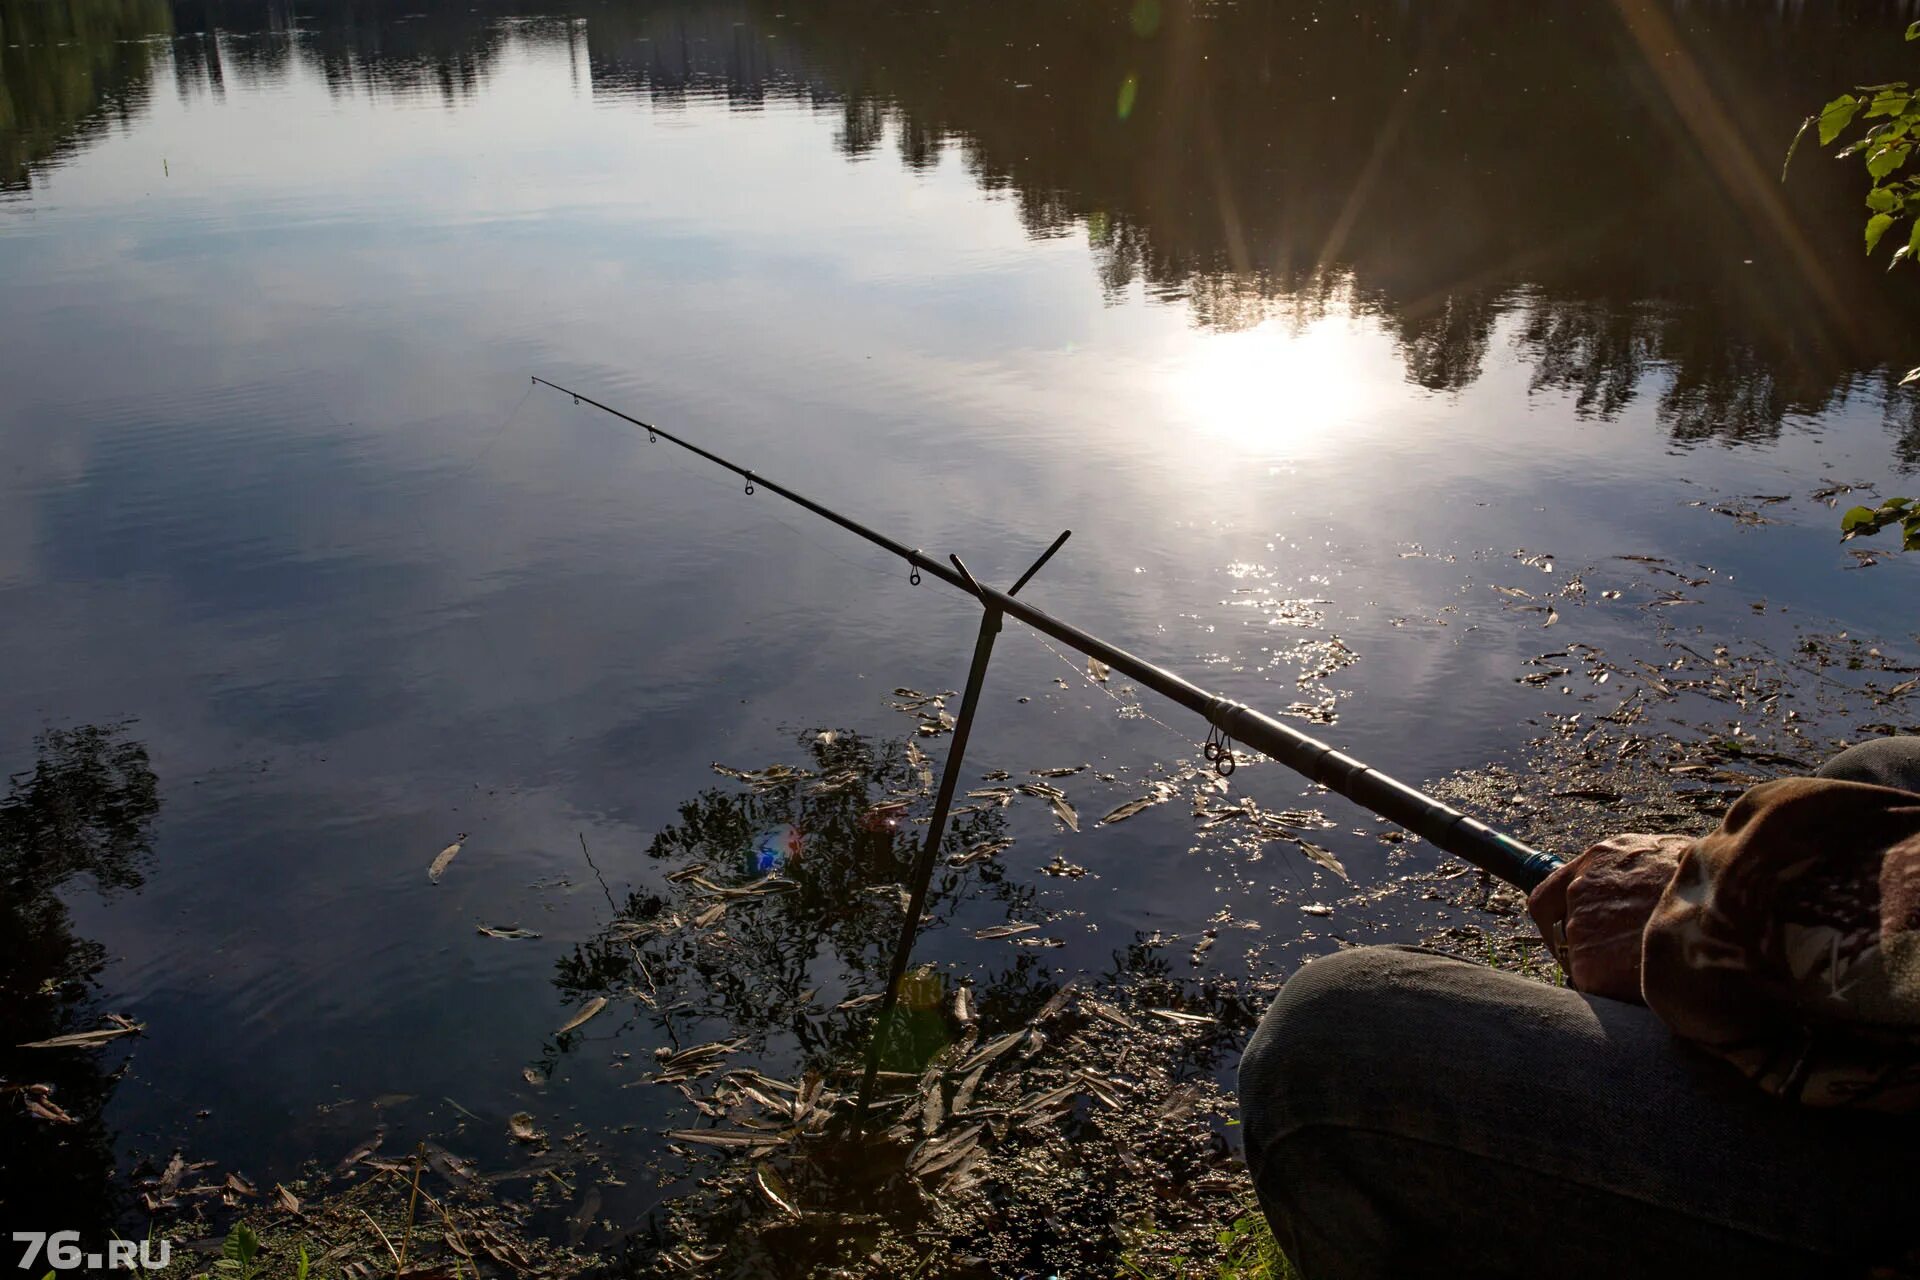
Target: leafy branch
{"x":1885,"y":147}
{"x":1891,"y":115}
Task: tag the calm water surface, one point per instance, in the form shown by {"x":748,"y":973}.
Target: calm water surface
{"x":1305,"y":318}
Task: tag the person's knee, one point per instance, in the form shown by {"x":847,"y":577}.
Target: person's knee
{"x":1317,"y":1021}
{"x":1886,"y":762}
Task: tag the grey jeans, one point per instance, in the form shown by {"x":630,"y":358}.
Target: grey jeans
{"x":1409,"y":1114}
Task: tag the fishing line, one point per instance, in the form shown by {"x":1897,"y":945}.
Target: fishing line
{"x":1124,"y":705}
{"x":769,"y":513}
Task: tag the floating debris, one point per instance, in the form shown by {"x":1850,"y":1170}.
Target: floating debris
{"x":509,"y":932}
{"x":778,"y":775}
{"x":998,"y":931}
{"x":121,"y":1026}
{"x":587,"y":1012}
{"x":438,"y":867}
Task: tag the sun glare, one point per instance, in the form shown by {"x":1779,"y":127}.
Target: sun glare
{"x":1275,"y":390}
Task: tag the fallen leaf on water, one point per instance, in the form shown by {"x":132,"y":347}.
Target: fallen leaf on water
{"x":1065,"y":812}
{"x":587,"y":1011}
{"x":775,"y":1189}
{"x":993,"y":1049}
{"x":450,"y":1166}
{"x":520,"y":1127}
{"x":1553,"y":616}
{"x":726,"y":1138}
{"x":980,"y":852}
{"x":1323,"y":857}
{"x":710,"y":916}
{"x":935,"y":1154}
{"x":362,"y":1151}
{"x":963,"y":1096}
{"x":90,"y":1039}
{"x":1057,"y":773}
{"x":1002,"y":931}
{"x":1130,"y":808}
{"x":580,"y":1225}
{"x":860,"y":1002}
{"x":509,"y":932}
{"x":533,"y":1077}
{"x":1112,"y":1014}
{"x":1317,"y":909}
{"x":1099,"y":670}
{"x":1185,"y":1019}
{"x":963,"y":1005}
{"x":438,"y":867}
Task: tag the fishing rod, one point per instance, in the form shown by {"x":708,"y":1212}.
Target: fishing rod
{"x":1448,"y":828}
{"x":1441,"y":824}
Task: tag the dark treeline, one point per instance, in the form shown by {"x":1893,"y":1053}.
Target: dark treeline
{"x":1607,"y":172}
{"x":1604,"y":174}
{"x":68,"y":71}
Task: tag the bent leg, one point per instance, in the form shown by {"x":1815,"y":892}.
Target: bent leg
{"x":1885,"y":762}
{"x":1407,"y":1113}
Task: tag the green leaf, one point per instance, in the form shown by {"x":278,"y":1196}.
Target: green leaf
{"x":1913,"y":31}
{"x":1881,"y":200}
{"x":1890,"y":102}
{"x":241,"y":1244}
{"x":1876,"y":227}
{"x":1911,"y":541}
{"x":1887,"y":159}
{"x":300,"y":1272}
{"x":1856,"y":518}
{"x":1837,"y":115}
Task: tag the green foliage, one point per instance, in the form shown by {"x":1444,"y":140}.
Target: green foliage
{"x":238,"y":1253}
{"x":1865,"y":521}
{"x":1891,"y":115}
{"x":1248,"y":1251}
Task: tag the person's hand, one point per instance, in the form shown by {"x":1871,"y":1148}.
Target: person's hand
{"x":1593,"y":911}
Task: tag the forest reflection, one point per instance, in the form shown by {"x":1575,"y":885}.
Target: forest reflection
{"x":1597,"y":185}
{"x":756,"y":971}
{"x":83,"y":816}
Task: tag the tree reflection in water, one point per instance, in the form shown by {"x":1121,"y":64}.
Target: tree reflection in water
{"x":85,"y":811}
{"x":1065,"y":1113}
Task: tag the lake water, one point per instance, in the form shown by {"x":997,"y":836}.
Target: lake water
{"x":1315,"y":323}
